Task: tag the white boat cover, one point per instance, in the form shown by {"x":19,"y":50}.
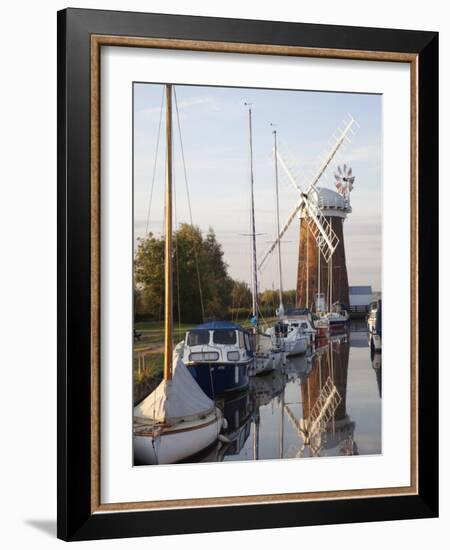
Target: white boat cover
{"x":180,"y":398}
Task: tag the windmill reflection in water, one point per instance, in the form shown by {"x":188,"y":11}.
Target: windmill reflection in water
{"x":296,"y":411}
{"x":324,"y":427}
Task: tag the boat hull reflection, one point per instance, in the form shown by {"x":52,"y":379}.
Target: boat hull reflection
{"x":217,"y":380}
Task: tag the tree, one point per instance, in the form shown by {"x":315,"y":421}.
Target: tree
{"x":269,"y":298}
{"x":241,"y":296}
{"x":189,"y":265}
{"x":199,"y":275}
{"x":218,"y":283}
{"x":149,"y":276}
{"x":289,"y":298}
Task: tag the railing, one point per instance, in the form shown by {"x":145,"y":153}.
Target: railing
{"x":358,"y":311}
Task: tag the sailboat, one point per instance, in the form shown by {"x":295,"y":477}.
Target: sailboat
{"x":338,"y":318}
{"x":265,"y":356}
{"x":291,"y":334}
{"x":177,"y":419}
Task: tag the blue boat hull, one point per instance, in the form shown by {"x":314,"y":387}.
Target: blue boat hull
{"x":220,"y":379}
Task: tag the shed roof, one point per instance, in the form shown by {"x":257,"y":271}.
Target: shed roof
{"x":360,"y":290}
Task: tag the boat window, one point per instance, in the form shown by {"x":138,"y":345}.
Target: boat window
{"x":224,"y":336}
{"x":305,"y":325}
{"x":248,"y":345}
{"x":281,"y":329}
{"x":241,"y":339}
{"x":198,"y":338}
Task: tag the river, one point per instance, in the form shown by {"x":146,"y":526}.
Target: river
{"x":325,"y":403}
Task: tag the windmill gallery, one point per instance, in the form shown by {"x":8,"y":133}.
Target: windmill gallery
{"x":255,"y":339}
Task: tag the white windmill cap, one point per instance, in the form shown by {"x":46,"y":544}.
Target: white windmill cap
{"x":329,"y":199}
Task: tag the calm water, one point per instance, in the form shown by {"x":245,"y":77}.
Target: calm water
{"x":327,"y":403}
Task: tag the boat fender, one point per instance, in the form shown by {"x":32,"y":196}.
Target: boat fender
{"x":224,"y":423}
{"x":224,"y":438}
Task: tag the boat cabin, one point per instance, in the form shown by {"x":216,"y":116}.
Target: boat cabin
{"x":218,"y":342}
{"x":301,"y":325}
{"x":284,"y":327}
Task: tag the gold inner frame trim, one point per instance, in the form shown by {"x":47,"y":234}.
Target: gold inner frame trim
{"x":97,"y":41}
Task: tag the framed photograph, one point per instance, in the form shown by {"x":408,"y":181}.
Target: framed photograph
{"x":248,"y":303}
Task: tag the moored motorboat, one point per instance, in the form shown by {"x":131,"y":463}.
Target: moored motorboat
{"x":293,"y":330}
{"x":375,"y":334}
{"x":307,"y":326}
{"x":218,"y":355}
{"x":372,"y":317}
{"x":266,"y":357}
{"x":338,"y":318}
{"x":294,"y":338}
{"x":337,"y":321}
{"x":297,"y":345}
{"x":322,"y":326}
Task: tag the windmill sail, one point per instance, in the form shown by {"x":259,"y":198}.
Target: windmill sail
{"x":320,"y":227}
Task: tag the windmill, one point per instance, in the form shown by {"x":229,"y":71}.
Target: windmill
{"x":321,"y":265}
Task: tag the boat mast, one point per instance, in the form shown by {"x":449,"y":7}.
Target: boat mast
{"x":280,"y":273}
{"x":168,"y":314}
{"x":307,"y":264}
{"x":331,"y":283}
{"x":253,"y":231}
{"x":318,"y":277}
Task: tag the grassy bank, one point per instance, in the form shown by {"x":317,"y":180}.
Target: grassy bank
{"x":148,"y":356}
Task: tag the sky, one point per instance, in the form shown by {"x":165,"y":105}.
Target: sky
{"x":215,"y":138}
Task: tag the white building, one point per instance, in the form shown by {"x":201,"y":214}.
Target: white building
{"x":360,"y":298}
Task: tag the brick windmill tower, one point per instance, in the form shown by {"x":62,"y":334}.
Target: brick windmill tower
{"x":322,"y":272}
{"x":322,"y":277}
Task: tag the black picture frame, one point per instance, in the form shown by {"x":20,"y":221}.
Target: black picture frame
{"x":75,"y":518}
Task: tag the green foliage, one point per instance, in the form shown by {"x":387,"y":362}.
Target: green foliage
{"x":241,"y":296}
{"x":269,"y":301}
{"x":151,"y":367}
{"x":149,"y":277}
{"x":289,"y":298}
{"x":217,"y":284}
{"x":198,"y":264}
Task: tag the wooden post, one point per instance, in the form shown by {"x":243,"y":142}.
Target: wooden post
{"x":168,"y":315}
